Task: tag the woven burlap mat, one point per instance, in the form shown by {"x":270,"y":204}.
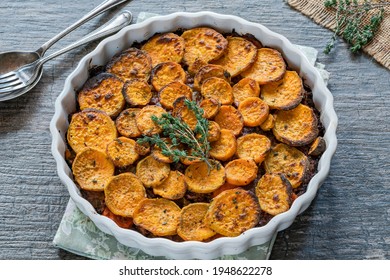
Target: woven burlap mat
{"x":378,"y":48}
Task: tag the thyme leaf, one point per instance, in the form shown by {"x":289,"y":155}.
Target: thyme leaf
{"x":356,"y":22}
{"x":183,"y":143}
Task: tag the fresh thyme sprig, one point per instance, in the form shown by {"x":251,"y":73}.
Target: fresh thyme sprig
{"x":180,"y":134}
{"x":350,"y":22}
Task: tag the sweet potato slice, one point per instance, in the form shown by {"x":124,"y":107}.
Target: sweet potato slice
{"x":269,"y":66}
{"x":126,"y":124}
{"x":92,"y":169}
{"x":160,"y":216}
{"x":144,"y":120}
{"x":218,"y":89}
{"x":232,"y":212}
{"x":245,"y":88}
{"x":181,"y":111}
{"x":137,"y":92}
{"x":289,"y":161}
{"x":317,"y":147}
{"x":239,"y":55}
{"x":269,"y":123}
{"x":158,"y":155}
{"x":204,"y":44}
{"x":225,"y":147}
{"x":167,"y":47}
{"x":274,"y":192}
{"x":196,"y":66}
{"x":254,"y":111}
{"x":208,"y":71}
{"x":123,"y":193}
{"x":214,"y":131}
{"x":230,"y":118}
{"x":296,"y":127}
{"x":241,"y":172}
{"x":200,"y":178}
{"x":172,"y":91}
{"x":167,"y":72}
{"x":152,"y":172}
{"x":254,"y":146}
{"x":142,"y":149}
{"x":122,"y":152}
{"x":210,"y":107}
{"x":131,"y":64}
{"x":174,"y":187}
{"x":187,"y":161}
{"x":102,"y":92}
{"x":190,"y":159}
{"x":90,"y":128}
{"x":284,"y":94}
{"x":192,"y":225}
{"x":223,"y":188}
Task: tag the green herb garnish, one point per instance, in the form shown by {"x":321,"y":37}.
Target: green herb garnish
{"x":356,"y":22}
{"x":180,"y":135}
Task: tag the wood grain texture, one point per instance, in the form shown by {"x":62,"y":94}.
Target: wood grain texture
{"x":350,"y":217}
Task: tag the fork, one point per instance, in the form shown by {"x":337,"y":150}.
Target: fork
{"x":25,"y":76}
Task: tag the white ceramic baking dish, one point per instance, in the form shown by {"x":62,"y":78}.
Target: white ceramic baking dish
{"x":66,"y":104}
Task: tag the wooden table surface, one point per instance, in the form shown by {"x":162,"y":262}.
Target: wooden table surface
{"x":350,"y":217}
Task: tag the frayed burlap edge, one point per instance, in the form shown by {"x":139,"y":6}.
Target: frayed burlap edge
{"x":378,"y":48}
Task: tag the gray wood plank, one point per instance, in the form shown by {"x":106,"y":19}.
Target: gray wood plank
{"x":349,"y":218}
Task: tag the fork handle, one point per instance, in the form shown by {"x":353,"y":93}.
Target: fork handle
{"x":104,"y":6}
{"x":110,"y":28}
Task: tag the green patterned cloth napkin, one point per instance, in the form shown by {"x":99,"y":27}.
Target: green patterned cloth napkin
{"x":78,"y":234}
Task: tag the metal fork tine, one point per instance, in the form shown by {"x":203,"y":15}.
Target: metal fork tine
{"x":7,"y":75}
{"x":11,"y":83}
{"x":6,"y":90}
{"x":11,"y":87}
{"x":8,"y":79}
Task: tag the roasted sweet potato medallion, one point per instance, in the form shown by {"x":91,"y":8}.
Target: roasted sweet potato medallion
{"x":250,"y":115}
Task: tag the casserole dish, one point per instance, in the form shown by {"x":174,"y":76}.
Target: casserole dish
{"x":66,"y":104}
